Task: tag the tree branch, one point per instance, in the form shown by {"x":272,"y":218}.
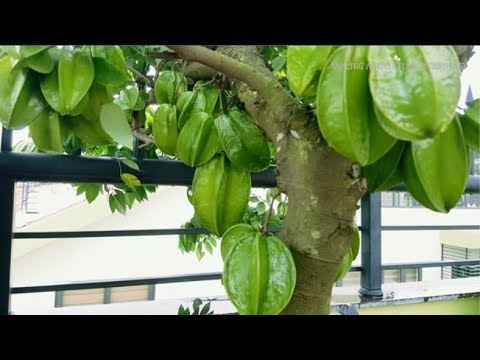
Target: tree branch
{"x":266,"y":96}
{"x":142,"y":77}
{"x":137,"y":134}
{"x":228,"y":66}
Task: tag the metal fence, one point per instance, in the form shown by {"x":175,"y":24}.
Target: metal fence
{"x":75,"y":168}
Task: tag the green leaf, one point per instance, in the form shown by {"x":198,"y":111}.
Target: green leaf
{"x":82,"y":188}
{"x":92,"y":192}
{"x":112,"y":203}
{"x":131,"y":180}
{"x":115,"y":123}
{"x":130,"y":199}
{"x":211,"y":239}
{"x":129,"y":99}
{"x":120,"y":203}
{"x":205,"y":309}
{"x":209,"y":247}
{"x":131,"y":164}
{"x":254,"y":199}
{"x":199,"y":252}
{"x":278,"y":63}
{"x":261,"y":208}
{"x":304,"y":64}
{"x":196,"y":306}
{"x":140,"y":193}
{"x":107,"y":74}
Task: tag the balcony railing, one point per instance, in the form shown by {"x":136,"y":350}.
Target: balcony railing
{"x":73,"y":168}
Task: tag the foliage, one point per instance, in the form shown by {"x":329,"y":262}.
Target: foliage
{"x":391,"y":110}
{"x":197,"y":308}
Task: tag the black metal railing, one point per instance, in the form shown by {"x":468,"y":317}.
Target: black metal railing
{"x":61,"y":168}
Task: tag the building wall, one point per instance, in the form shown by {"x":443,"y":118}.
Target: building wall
{"x":62,"y":260}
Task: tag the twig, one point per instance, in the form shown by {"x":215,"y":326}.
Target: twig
{"x":269,"y":213}
{"x":137,"y":134}
{"x":142,"y":77}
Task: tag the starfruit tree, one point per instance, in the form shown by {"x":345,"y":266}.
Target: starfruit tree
{"x":336,"y":121}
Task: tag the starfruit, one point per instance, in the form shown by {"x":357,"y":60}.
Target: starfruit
{"x":415,"y":89}
{"x":87,"y":126}
{"x":48,"y":132}
{"x":220,"y":194}
{"x":211,"y":94}
{"x":68,"y":84}
{"x":188,"y":104}
{"x":345,"y":108}
{"x":41,"y":62}
{"x":198,"y":140}
{"x":435,"y":170}
{"x":259,"y":274}
{"x":234,"y":234}
{"x":23,"y":51}
{"x":350,"y":256}
{"x":20,"y":98}
{"x":304,"y":64}
{"x":382,"y":173}
{"x":471,"y":125}
{"x":168,"y":87}
{"x":164,"y":128}
{"x":243,"y":141}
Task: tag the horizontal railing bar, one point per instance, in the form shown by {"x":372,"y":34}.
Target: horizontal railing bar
{"x":90,"y":169}
{"x":414,"y":265}
{"x":126,"y":282}
{"x":116,"y":233}
{"x":430,"y":227}
{"x":205,"y":277}
{"x":116,"y":283}
{"x":178,"y":231}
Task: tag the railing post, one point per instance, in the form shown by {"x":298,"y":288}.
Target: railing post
{"x":371,"y":277}
{"x":7,"y":201}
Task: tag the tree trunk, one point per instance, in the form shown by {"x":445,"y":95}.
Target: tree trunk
{"x":323,"y":187}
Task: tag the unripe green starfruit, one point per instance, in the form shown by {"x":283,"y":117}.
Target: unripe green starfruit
{"x":20,"y":98}
{"x":211,"y":94}
{"x":471,"y":125}
{"x":382,"y":173}
{"x":48,"y":132}
{"x":435,"y":170}
{"x":42,"y":62}
{"x":188,"y":104}
{"x":232,"y":235}
{"x":345,"y":108}
{"x":243,"y":141}
{"x":164,"y":128}
{"x":415,"y":89}
{"x":220,"y":194}
{"x":259,"y":273}
{"x":67,"y":85}
{"x":168,"y":87}
{"x":198,"y":140}
{"x":87,"y":126}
